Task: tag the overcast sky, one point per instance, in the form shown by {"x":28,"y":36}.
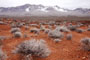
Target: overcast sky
{"x":71,"y":4}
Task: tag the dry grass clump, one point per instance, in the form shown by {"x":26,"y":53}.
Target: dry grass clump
{"x":26,"y":27}
{"x":85,"y":43}
{"x":62,"y":29}
{"x":25,"y":35}
{"x":88,"y":29}
{"x":69,"y":36}
{"x":79,"y":30}
{"x":33,"y":47}
{"x":72,"y":27}
{"x":1,"y":39}
{"x":42,"y":28}
{"x":2,"y":23}
{"x":13,"y":25}
{"x":17,"y":34}
{"x":55,"y":34}
{"x":13,"y":30}
{"x":57,"y":40}
{"x":49,"y":26}
{"x":3,"y":56}
{"x":79,"y":24}
{"x":34,"y":25}
{"x":47,"y":31}
{"x":35,"y":30}
{"x":19,"y":24}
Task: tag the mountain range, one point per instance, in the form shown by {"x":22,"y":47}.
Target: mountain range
{"x":41,"y":10}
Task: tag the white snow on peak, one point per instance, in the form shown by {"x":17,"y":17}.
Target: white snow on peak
{"x":27,"y":9}
{"x":60,"y":9}
{"x":43,"y":9}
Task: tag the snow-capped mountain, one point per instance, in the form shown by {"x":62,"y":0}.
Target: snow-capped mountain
{"x":40,"y":10}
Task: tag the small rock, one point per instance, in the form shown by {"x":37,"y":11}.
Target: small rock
{"x":83,"y":57}
{"x":57,"y":40}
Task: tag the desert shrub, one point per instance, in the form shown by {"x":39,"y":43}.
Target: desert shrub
{"x":47,"y":31}
{"x":55,"y":34}
{"x":2,"y":23}
{"x":79,"y":30}
{"x":13,"y":25}
{"x":17,"y":34}
{"x":81,"y":24}
{"x":78,"y":25}
{"x":33,"y":47}
{"x":13,"y":30}
{"x":62,"y":29}
{"x":57,"y":40}
{"x":25,"y":36}
{"x":3,"y":56}
{"x":42,"y":28}
{"x":70,"y":24}
{"x":51,"y":22}
{"x":3,"y":37}
{"x":85,"y":43}
{"x":88,"y":29}
{"x":19,"y":24}
{"x":69,"y":36}
{"x":34,"y":25}
{"x":72,"y":27}
{"x":27,"y":57}
{"x":57,"y":28}
{"x":35,"y":30}
{"x":49,"y":26}
{"x":26,"y":27}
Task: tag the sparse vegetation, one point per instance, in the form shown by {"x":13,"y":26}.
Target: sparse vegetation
{"x":18,"y":24}
{"x":62,"y":29}
{"x":13,"y":30}
{"x":1,"y":39}
{"x":72,"y":27}
{"x":57,"y":40}
{"x":26,"y":27}
{"x":42,"y":28}
{"x":33,"y":25}
{"x":35,"y":30}
{"x":17,"y":34}
{"x":51,"y":35}
{"x":55,"y":34}
{"x":25,"y":36}
{"x":69,"y":36}
{"x":85,"y":43}
{"x":88,"y":29}
{"x":3,"y":56}
{"x":33,"y":47}
{"x":47,"y":31}
{"x":2,"y":23}
{"x":49,"y":26}
{"x":79,"y":30}
{"x":13,"y":25}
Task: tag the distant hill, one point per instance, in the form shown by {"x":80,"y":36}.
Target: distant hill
{"x":41,"y":10}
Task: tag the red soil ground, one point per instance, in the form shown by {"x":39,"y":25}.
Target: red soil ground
{"x":64,"y":50}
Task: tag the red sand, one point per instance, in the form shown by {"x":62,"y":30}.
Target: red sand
{"x":64,"y":50}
